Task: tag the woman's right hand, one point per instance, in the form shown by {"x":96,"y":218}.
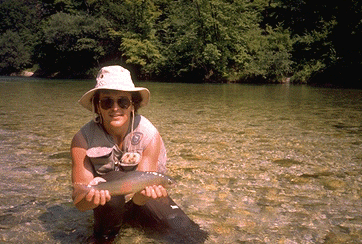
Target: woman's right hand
{"x":82,"y":173}
{"x":95,"y":196}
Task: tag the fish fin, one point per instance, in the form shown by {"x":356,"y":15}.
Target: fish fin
{"x":129,"y":197}
{"x":79,"y":192}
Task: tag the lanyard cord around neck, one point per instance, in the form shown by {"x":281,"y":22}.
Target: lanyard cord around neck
{"x":131,"y":133}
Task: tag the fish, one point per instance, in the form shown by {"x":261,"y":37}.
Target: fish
{"x":127,"y":183}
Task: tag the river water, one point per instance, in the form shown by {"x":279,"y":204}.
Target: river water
{"x":254,"y":164}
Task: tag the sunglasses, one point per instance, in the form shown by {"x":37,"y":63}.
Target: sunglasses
{"x":107,"y":103}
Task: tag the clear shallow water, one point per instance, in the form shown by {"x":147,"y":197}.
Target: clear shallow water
{"x":254,"y":164}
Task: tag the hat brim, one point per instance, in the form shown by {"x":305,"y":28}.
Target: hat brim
{"x":86,"y":99}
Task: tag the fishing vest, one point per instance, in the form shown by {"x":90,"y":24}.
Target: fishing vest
{"x":105,"y":155}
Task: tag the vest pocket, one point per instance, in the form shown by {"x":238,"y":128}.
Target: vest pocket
{"x":102,"y":158}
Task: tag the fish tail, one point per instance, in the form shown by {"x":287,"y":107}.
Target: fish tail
{"x":80,"y":190}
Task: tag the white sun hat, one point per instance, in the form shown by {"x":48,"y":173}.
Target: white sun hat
{"x":114,"y":78}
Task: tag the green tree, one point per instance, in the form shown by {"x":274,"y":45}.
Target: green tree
{"x":50,"y":7}
{"x":346,"y":38}
{"x":221,"y":40}
{"x":269,"y":55}
{"x":71,"y":44}
{"x":18,"y":34}
{"x":327,"y":37}
{"x":133,"y":29}
{"x":143,"y":54}
{"x":14,"y":55}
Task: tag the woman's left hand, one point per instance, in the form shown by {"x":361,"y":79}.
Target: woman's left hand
{"x":154,"y":191}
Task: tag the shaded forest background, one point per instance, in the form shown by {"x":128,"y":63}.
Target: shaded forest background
{"x":314,"y":42}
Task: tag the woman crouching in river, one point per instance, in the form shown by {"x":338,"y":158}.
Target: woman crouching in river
{"x":118,"y":139}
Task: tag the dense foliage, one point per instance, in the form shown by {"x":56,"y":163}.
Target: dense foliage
{"x":185,"y":40}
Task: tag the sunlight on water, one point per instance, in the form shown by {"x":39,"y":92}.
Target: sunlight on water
{"x":254,"y":164}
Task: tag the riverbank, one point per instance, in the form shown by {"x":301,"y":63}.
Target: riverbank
{"x":327,"y":83}
{"x":24,"y":73}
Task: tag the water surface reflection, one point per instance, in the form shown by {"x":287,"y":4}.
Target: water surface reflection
{"x":254,"y":164}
